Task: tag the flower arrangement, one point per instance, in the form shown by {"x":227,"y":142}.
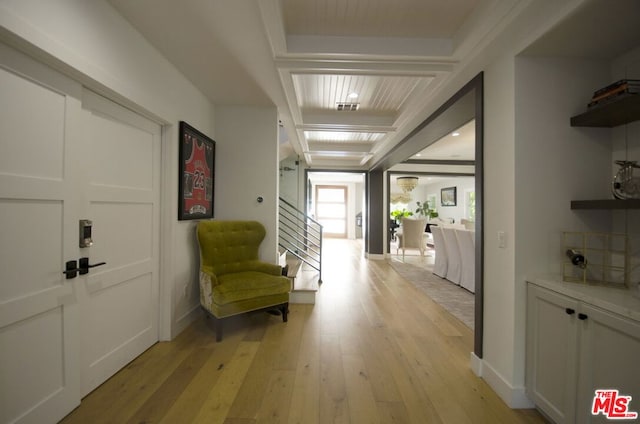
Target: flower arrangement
{"x":423,"y":210}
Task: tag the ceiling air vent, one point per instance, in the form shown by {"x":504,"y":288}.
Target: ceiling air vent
{"x":347,"y":106}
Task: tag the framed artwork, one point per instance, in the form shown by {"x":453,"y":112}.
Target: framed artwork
{"x":196,"y":174}
{"x":448,"y":196}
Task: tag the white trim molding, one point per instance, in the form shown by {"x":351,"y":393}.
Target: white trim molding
{"x":514,"y":397}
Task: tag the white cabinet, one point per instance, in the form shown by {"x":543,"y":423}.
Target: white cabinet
{"x":574,"y":348}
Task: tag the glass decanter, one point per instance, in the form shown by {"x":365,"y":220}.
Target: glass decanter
{"x":625,"y":185}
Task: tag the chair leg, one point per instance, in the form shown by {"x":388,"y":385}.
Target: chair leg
{"x":285,"y":311}
{"x":218,"y":328}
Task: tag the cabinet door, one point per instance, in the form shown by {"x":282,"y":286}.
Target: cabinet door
{"x":609,"y":359}
{"x":552,"y":353}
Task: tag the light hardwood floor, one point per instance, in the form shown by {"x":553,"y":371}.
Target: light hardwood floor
{"x":373,"y":349}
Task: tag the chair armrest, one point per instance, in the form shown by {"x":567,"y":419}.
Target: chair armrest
{"x":267,"y":268}
{"x":209,"y":272}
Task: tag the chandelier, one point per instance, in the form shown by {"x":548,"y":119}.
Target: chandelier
{"x":407,"y":183}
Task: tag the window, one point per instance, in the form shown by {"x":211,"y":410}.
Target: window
{"x":431,"y":201}
{"x":331,"y":209}
{"x":470,"y":205}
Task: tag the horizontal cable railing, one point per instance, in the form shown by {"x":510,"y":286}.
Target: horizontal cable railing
{"x":301,"y":236}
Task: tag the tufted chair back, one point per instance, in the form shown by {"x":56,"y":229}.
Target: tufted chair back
{"x":227,"y":246}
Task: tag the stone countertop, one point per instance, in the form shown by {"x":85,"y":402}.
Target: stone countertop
{"x":623,"y":302}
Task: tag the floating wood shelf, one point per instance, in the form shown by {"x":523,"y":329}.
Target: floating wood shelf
{"x":619,"y":112}
{"x":606,"y":204}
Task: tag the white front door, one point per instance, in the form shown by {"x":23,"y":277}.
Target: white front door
{"x":65,"y":155}
{"x":119,"y":300}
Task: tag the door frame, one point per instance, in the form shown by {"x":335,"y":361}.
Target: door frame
{"x":308,"y":186}
{"x":466,"y":104}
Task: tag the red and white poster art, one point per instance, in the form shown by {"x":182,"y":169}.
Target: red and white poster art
{"x":197,"y":153}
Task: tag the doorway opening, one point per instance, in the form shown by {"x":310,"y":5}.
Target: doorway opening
{"x":336,"y":199}
{"x":331,"y":209}
{"x":465,"y":106}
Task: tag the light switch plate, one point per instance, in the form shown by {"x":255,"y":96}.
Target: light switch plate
{"x":502,"y":239}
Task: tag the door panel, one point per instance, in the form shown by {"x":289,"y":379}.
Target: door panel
{"x":609,"y":349}
{"x":43,"y":329}
{"x":39,"y":337}
{"x":129,"y":147}
{"x":40,"y":269}
{"x":112,"y":343}
{"x":67,"y":154}
{"x":120,"y":302}
{"x":31,"y":113}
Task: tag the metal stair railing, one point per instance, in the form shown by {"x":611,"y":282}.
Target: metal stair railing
{"x":300,"y":235}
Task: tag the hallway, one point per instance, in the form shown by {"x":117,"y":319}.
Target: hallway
{"x":372,"y":349}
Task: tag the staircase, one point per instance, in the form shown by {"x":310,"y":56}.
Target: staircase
{"x":300,"y":244}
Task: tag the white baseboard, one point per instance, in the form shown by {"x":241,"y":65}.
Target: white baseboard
{"x":186,"y":319}
{"x":514,"y":397}
{"x":308,"y":297}
{"x":476,"y":364}
{"x":375,"y":256}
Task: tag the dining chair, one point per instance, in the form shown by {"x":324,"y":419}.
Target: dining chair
{"x":440,"y":264}
{"x":453,"y":255}
{"x":412,"y":236}
{"x":467,"y":258}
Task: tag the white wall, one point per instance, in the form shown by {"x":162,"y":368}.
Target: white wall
{"x":462,"y":185}
{"x":626,"y":138}
{"x":499,"y":213}
{"x":91,"y":42}
{"x":246,"y":168}
{"x":292,"y":182}
{"x":555,"y":163}
{"x":626,"y":146}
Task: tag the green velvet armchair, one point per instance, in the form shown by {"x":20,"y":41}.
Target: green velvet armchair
{"x":232,"y":278}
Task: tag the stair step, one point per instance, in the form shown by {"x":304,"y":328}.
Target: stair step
{"x":294,"y":267}
{"x":282,"y":259}
{"x":307,"y":280}
{"x":304,"y":282}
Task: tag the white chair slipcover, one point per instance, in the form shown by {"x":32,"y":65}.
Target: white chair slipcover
{"x":468,"y":259}
{"x":454,"y":265}
{"x":412,"y":236}
{"x":440,"y":264}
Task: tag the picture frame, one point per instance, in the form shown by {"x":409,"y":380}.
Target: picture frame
{"x":448,"y":196}
{"x":196,"y":174}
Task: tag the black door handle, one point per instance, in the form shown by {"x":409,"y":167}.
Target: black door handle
{"x":582,"y":317}
{"x":71,"y":269}
{"x":570,"y":311}
{"x":84,"y":265}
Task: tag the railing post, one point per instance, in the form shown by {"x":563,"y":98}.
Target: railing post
{"x":303,"y":237}
{"x":320,"y":255}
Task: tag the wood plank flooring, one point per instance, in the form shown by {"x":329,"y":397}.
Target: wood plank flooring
{"x":373,"y":349}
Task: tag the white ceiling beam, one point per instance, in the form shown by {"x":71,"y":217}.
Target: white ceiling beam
{"x":374,"y":46}
{"x":317,"y":147}
{"x":341,"y":164}
{"x":365,"y":67}
{"x":332,"y":119}
{"x":338,"y":152}
{"x":271,"y":11}
{"x":346,"y":128}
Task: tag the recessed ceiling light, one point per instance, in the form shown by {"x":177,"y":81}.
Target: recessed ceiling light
{"x":418,"y":154}
{"x":455,"y":133}
{"x":353,"y":95}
